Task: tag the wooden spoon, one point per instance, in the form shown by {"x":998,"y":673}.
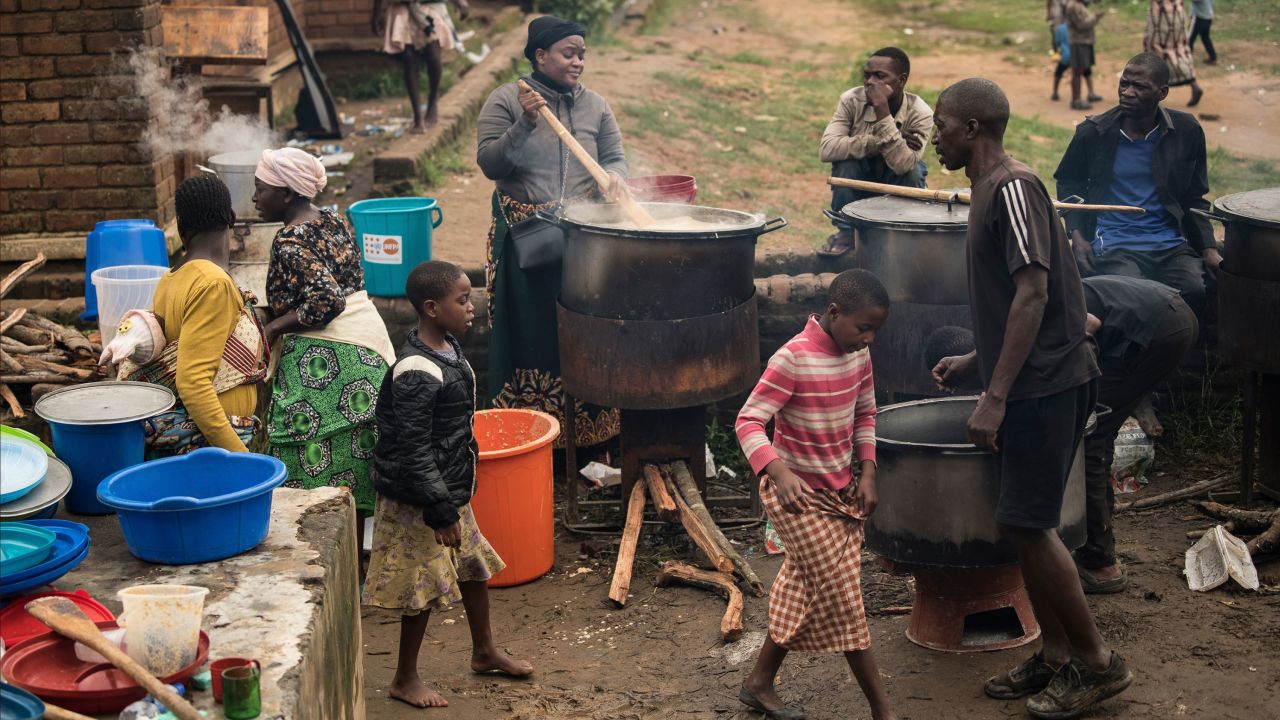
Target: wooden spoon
{"x":66,"y":619}
{"x":634,"y":212}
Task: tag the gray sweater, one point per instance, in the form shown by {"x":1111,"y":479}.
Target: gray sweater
{"x":524,"y":159}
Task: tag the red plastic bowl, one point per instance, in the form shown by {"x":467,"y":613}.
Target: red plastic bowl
{"x":664,"y":188}
{"x":47,"y":667}
{"x":17,"y":625}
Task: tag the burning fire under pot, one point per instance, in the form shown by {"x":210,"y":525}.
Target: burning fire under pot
{"x":659,"y":323}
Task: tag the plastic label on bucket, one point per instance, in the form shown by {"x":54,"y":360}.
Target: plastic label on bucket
{"x":383,"y":249}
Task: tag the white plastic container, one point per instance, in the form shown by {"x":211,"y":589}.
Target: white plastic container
{"x":162,"y":625}
{"x":123,"y":288}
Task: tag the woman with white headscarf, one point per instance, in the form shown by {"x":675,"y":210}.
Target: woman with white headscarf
{"x":330,"y":348}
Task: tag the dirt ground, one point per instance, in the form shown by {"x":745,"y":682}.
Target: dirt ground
{"x":1195,"y":655}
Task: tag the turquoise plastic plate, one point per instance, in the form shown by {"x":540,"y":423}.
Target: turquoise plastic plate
{"x":24,"y":435}
{"x":18,"y":704}
{"x":25,"y":465}
{"x":23,"y":546}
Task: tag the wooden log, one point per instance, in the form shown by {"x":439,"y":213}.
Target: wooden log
{"x":31,"y":362}
{"x":627,"y":546}
{"x":689,"y":490}
{"x":33,"y":377}
{"x":1268,"y":542}
{"x":9,"y":365}
{"x":10,"y":345}
{"x":718,"y":582}
{"x":1246,"y":521}
{"x":11,"y":400}
{"x":75,"y":341}
{"x":1189,"y":491}
{"x":57,"y":356}
{"x":22,"y":271}
{"x":11,"y":319}
{"x":39,"y":390}
{"x":699,"y":533}
{"x":662,"y":499}
{"x":29,"y":335}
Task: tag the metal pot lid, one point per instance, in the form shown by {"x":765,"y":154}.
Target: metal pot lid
{"x":1261,"y":207}
{"x":237,"y":160}
{"x":104,"y":403}
{"x":608,"y":218}
{"x":50,"y":491}
{"x":907,"y":213}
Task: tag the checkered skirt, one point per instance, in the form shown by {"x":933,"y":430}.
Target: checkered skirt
{"x":815,"y":604}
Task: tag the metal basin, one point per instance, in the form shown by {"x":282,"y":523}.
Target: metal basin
{"x":938,"y":492}
{"x":917,"y":249}
{"x":654,"y":274}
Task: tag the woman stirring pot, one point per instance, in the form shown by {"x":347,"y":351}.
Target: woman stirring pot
{"x":533,"y":171}
{"x":334,"y":349}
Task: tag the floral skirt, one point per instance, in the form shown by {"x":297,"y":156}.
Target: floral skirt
{"x":524,"y":341}
{"x":321,"y":422}
{"x":411,"y":572}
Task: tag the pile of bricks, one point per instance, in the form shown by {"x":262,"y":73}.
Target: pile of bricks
{"x":71,"y":120}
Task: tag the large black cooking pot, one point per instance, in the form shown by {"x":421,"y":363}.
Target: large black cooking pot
{"x":1252,"y":221}
{"x":632,"y":274}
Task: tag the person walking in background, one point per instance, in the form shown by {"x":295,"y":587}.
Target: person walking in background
{"x":1202,"y":13}
{"x":1081,"y":34}
{"x":1167,"y":37}
{"x":1063,"y":46}
{"x":1055,"y":13}
{"x":412,"y":27}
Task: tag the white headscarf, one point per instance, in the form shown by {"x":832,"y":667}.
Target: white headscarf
{"x":293,"y":168}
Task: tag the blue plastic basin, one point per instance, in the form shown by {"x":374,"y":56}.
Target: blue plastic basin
{"x":208,"y":505}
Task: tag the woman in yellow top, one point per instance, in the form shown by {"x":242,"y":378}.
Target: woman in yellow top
{"x":213,"y":355}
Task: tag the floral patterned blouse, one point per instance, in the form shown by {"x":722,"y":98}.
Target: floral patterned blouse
{"x":315,"y":265}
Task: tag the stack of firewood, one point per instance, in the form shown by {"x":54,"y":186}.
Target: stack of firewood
{"x":676,"y":498}
{"x":38,"y":355}
{"x":1262,"y":527}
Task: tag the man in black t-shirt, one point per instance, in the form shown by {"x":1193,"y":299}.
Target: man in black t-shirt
{"x":1037,"y":366}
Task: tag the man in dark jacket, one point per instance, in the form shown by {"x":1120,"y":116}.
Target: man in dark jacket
{"x":1140,"y":153}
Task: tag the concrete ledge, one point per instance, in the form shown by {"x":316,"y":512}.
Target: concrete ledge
{"x":21,"y":248}
{"x":458,"y":109}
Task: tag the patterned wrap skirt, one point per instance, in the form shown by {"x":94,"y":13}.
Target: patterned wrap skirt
{"x":1167,"y":33}
{"x":815,"y":604}
{"x":321,"y":423}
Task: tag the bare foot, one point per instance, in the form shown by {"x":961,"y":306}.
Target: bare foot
{"x":418,"y":128}
{"x":413,"y":692}
{"x":497,"y":661}
{"x":433,"y":114}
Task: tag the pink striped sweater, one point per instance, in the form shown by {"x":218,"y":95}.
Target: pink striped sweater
{"x":823,"y":404}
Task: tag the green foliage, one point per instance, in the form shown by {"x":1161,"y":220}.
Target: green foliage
{"x":1203,"y":423}
{"x":594,"y":14}
{"x":724,"y":447}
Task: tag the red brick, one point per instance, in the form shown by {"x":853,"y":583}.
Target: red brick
{"x":60,"y":133}
{"x":26,"y":68}
{"x":30,"y":112}
{"x":27,"y":24}
{"x":108,"y":4}
{"x":137,"y":19}
{"x":13,"y":179}
{"x":14,"y":223}
{"x":11,"y":135}
{"x":13,"y":92}
{"x":34,"y":199}
{"x":34,"y":5}
{"x":128,"y":108}
{"x":9,"y":47}
{"x":96,"y":198}
{"x":128,"y":176}
{"x":108,"y":42}
{"x":60,"y":89}
{"x":6,"y":205}
{"x":8,"y":6}
{"x":85,"y":21}
{"x":35,"y":155}
{"x":70,"y":220}
{"x":115,"y":132}
{"x":78,"y":66}
{"x":319,"y":21}
{"x":71,"y":176}
{"x":143,"y":197}
{"x":51,"y":45}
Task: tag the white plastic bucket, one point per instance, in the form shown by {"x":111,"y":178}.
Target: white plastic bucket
{"x":123,"y":288}
{"x":162,"y":625}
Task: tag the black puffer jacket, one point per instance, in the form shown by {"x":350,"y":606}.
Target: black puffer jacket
{"x":426,"y":453}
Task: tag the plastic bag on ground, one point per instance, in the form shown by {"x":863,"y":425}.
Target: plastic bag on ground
{"x":772,"y":541}
{"x":1134,"y":454}
{"x":1217,"y":557}
{"x":597,"y":475}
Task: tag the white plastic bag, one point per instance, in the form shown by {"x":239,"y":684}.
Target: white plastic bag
{"x":1134,"y":453}
{"x":598,"y":474}
{"x":1217,"y":556}
{"x":139,"y":339}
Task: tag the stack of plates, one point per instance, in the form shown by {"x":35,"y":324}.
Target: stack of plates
{"x":34,"y":481}
{"x":70,"y":547}
{"x":25,"y":465}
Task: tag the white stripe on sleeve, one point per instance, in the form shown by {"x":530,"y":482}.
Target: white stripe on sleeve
{"x":1015,"y":205}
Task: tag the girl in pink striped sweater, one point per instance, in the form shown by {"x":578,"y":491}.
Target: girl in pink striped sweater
{"x":818,"y":390}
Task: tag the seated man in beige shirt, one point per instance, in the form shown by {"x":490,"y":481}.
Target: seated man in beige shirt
{"x":877,"y":133}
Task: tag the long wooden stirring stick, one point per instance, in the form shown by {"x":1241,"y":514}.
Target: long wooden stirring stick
{"x":64,"y":617}
{"x":960,"y":197}
{"x":634,"y":212}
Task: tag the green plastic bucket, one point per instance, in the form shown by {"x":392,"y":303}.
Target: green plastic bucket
{"x":395,"y":237}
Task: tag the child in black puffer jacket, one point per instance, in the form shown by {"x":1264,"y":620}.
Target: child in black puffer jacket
{"x":428,"y":551}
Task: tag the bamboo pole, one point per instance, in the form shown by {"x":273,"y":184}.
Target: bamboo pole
{"x":627,"y":546}
{"x":960,"y":197}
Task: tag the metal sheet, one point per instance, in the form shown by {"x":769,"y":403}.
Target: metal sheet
{"x":1256,"y":206}
{"x":659,"y":364}
{"x":103,"y":403}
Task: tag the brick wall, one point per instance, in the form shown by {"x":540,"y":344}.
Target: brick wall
{"x":70,"y":129}
{"x":328,"y":19}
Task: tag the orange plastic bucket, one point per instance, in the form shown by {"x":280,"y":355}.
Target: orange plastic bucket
{"x":514,"y":501}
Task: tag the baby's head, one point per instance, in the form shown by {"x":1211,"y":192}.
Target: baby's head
{"x":857,"y":307}
{"x":441,"y":294}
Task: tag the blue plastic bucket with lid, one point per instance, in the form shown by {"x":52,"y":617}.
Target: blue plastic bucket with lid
{"x":120,"y":242}
{"x":394,"y":235}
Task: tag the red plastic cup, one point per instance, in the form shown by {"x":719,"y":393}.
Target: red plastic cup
{"x":217,"y":666}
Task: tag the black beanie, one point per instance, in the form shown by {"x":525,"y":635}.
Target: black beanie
{"x":549,"y":30}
